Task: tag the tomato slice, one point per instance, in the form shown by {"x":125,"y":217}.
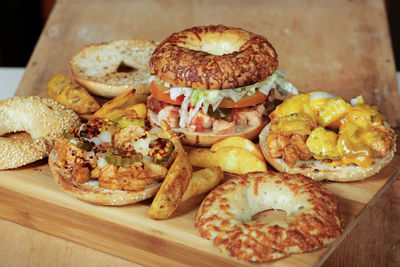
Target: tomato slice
{"x":245,"y":101}
{"x":158,"y":91}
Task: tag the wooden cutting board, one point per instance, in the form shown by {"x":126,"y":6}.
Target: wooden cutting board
{"x":30,"y":197}
{"x":337,"y":46}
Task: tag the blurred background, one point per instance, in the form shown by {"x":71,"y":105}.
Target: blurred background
{"x":22,"y":22}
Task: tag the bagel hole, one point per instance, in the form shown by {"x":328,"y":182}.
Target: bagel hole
{"x":269,"y":215}
{"x":123,"y":67}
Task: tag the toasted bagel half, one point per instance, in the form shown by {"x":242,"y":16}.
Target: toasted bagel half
{"x":92,"y":192}
{"x":321,"y":170}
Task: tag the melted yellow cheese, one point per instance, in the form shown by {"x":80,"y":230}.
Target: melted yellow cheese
{"x":322,"y":144}
{"x":351,"y":147}
{"x":364,"y":116}
{"x":357,"y":127}
{"x":293,"y":123}
{"x":334,"y":109}
{"x":298,"y":104}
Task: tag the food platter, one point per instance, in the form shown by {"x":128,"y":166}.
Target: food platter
{"x":30,"y":197}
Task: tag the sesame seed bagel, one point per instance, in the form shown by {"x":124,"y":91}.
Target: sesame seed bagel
{"x":214,"y":57}
{"x":313,"y":218}
{"x":92,"y":192}
{"x":43,"y":118}
{"x":321,"y":170}
{"x":110,"y":69}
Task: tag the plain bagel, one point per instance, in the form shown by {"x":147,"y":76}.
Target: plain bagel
{"x":313,"y":216}
{"x":110,"y":69}
{"x":43,"y":118}
{"x":214,"y":57}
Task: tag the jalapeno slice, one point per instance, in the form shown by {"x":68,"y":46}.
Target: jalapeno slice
{"x":124,"y":122}
{"x":122,"y":159}
{"x":162,"y":150}
{"x":77,"y":141}
{"x":220,"y":113}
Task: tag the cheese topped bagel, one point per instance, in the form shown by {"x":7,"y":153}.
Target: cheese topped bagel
{"x":228,"y":216}
{"x":325,"y":137}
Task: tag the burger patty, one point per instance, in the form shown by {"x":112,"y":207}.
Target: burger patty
{"x":219,"y":121}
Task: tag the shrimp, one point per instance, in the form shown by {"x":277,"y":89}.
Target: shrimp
{"x":249,"y":116}
{"x":299,"y":141}
{"x":134,"y":177}
{"x":276,"y":143}
{"x":127,"y":136}
{"x":223,"y":127}
{"x":170,"y":114}
{"x":289,"y":147}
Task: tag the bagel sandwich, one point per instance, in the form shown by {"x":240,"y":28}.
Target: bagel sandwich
{"x":211,"y":82}
{"x":113,"y":162}
{"x":326,"y":138}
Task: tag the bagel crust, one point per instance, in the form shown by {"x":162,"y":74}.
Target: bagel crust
{"x":214,"y":57}
{"x":319,"y":169}
{"x":43,"y":118}
{"x":313,"y":216}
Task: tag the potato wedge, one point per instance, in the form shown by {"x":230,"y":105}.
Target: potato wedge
{"x":69,"y":93}
{"x":175,"y":183}
{"x":240,"y":142}
{"x":123,"y":102}
{"x":172,"y":189}
{"x":203,"y":181}
{"x":230,"y":159}
{"x":140,"y":109}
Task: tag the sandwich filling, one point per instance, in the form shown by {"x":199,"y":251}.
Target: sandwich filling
{"x":122,"y":154}
{"x":216,"y":111}
{"x":321,"y":126}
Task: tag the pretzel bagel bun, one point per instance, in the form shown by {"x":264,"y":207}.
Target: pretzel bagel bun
{"x":110,"y":69}
{"x":226,"y":216}
{"x":43,"y":118}
{"x":210,"y":82}
{"x":206,"y":139}
{"x":92,"y":192}
{"x":214,"y":57}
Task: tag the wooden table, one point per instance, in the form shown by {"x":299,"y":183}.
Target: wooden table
{"x":341,"y":46}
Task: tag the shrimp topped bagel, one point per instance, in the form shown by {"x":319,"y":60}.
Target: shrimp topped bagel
{"x":113,"y":161}
{"x":210,"y":82}
{"x":324,"y":137}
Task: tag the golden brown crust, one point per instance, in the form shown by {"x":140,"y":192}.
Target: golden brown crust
{"x":43,"y":118}
{"x":313,"y":216}
{"x":319,"y":170}
{"x":91,"y":191}
{"x":182,"y":59}
{"x":110,"y":69}
{"x":208,"y":139}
